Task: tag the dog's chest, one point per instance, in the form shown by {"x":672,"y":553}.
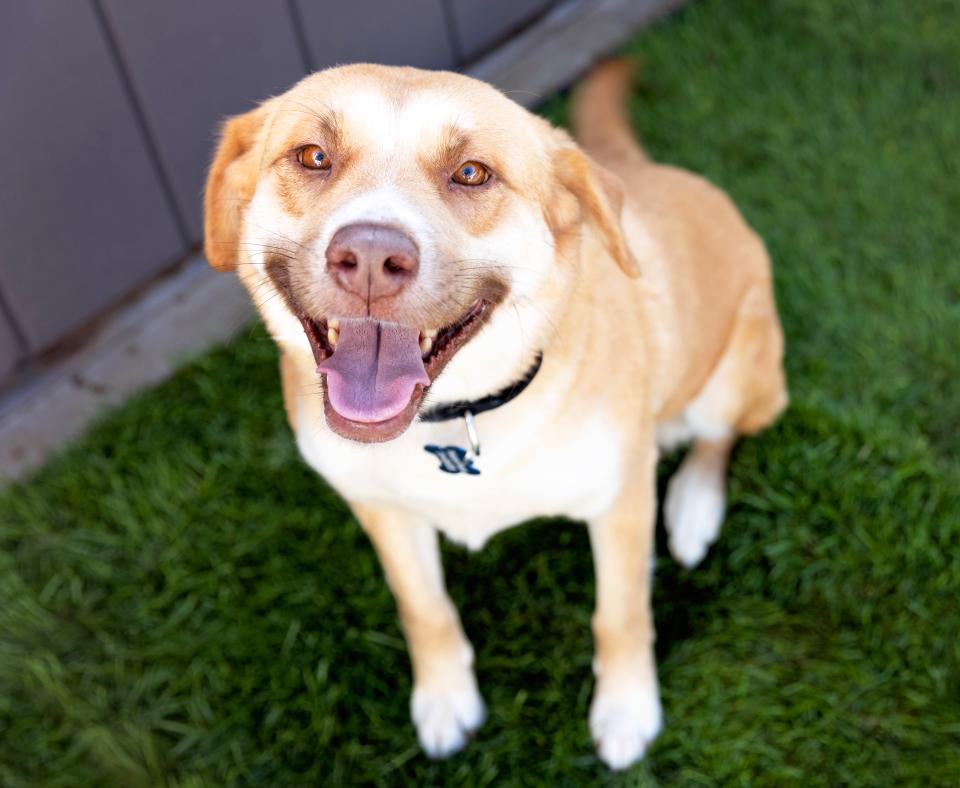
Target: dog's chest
{"x":527,"y":467}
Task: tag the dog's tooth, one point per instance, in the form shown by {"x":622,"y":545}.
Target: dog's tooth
{"x":426,"y":345}
{"x":333,"y":336}
{"x":431,"y":333}
{"x":333,"y":323}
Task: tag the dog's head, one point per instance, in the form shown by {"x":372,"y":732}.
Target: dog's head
{"x":393,"y":222}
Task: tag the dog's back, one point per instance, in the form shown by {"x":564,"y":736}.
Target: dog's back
{"x":712,"y":262}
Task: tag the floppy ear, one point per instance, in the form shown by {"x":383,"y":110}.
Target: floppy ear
{"x":230,"y":185}
{"x":600,"y":195}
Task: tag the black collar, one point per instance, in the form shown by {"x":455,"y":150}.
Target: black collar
{"x":456,"y":410}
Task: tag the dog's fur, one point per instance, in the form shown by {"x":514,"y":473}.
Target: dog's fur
{"x":646,"y":292}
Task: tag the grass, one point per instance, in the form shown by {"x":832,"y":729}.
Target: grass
{"x":183,"y":603}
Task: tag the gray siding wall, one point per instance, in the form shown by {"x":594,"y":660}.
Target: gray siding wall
{"x":84,"y":218}
{"x":9,"y":348}
{"x":110,"y":109}
{"x":480,"y":25}
{"x":408,"y":33}
{"x":193,"y":63}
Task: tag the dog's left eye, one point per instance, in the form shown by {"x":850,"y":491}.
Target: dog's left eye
{"x":313,"y":158}
{"x":471,"y":173}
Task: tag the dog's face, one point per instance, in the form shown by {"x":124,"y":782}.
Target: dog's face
{"x":395,"y":221}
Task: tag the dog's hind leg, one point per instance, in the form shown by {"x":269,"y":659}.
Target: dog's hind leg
{"x":696,"y":500}
{"x":745,"y":393}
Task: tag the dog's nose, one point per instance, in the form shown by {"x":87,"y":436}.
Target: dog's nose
{"x":372,"y":260}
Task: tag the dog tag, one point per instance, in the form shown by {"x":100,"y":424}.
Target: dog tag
{"x":454,"y":459}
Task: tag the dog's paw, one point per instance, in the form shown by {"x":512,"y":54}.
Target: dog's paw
{"x":693,"y":513}
{"x":624,"y":721}
{"x":446,"y":713}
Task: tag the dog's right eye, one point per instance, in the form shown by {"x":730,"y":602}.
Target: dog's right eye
{"x":313,"y":157}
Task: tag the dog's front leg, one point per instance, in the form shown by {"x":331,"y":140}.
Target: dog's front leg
{"x":625,"y":715}
{"x":446,"y":705}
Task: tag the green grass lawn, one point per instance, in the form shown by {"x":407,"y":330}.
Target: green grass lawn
{"x":183,"y":603}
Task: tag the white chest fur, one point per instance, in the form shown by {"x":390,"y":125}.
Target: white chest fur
{"x":530,"y":466}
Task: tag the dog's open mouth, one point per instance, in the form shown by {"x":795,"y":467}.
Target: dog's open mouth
{"x":375,"y":372}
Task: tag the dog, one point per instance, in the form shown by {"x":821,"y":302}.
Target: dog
{"x":482,"y":320}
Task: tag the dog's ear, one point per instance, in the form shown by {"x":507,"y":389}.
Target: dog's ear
{"x":599,"y":195}
{"x":231,"y":182}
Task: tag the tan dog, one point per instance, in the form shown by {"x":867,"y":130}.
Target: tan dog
{"x":393,"y":224}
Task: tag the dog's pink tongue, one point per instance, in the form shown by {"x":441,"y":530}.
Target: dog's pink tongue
{"x":372,"y":373}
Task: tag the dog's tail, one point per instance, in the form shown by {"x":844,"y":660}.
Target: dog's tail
{"x":599,"y":116}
